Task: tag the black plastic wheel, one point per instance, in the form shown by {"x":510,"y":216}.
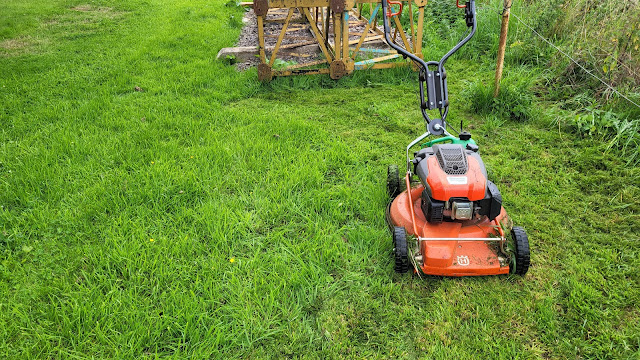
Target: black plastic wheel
{"x":393,"y":181}
{"x":522,"y":253}
{"x":400,"y":250}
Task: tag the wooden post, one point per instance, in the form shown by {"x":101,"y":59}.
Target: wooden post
{"x":503,"y":43}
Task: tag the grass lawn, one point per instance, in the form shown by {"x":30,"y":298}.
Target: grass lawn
{"x":210,"y":216}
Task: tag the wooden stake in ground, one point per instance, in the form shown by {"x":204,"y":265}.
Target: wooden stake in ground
{"x":503,"y":43}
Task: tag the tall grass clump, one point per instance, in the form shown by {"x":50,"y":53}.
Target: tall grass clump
{"x":603,"y":36}
{"x":515,"y":100}
{"x":622,"y":133}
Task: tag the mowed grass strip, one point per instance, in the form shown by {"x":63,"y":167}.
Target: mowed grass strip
{"x":155,"y":202}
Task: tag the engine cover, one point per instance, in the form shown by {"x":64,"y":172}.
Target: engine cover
{"x":455,"y":184}
{"x":449,"y":171}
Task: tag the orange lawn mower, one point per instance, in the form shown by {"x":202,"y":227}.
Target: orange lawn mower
{"x":453,"y":215}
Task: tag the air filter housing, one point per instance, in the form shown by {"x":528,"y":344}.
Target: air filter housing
{"x":451,"y":158}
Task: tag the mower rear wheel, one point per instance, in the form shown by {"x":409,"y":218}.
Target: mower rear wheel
{"x":394,"y":185}
{"x":400,"y":250}
{"x":522,"y":253}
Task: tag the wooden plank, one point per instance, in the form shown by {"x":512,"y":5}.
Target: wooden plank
{"x":309,"y":3}
{"x":304,"y":38}
{"x":365,"y":32}
{"x":361,"y":41}
{"x":368,"y":64}
{"x":296,"y":20}
{"x":370,"y":38}
{"x":326,"y":27}
{"x":504,"y":29}
{"x":388,"y":65}
{"x":291,"y":46}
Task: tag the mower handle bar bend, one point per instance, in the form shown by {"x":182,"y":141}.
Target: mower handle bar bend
{"x":424,"y":65}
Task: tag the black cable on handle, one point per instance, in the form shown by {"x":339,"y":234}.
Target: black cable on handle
{"x":387,"y":36}
{"x":421,"y":63}
{"x":472,"y":10}
{"x":424,"y":65}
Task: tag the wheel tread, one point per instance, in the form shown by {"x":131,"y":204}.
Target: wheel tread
{"x":400,"y":250}
{"x":523,"y":253}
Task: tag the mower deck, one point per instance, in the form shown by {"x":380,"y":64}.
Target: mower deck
{"x":464,"y":252}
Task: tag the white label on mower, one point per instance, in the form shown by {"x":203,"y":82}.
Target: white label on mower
{"x":463,"y":260}
{"x":457,"y":180}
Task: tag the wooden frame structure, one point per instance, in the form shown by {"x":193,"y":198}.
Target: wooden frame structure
{"x":329,"y":24}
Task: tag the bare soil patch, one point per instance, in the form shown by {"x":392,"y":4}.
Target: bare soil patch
{"x":296,"y":33}
{"x":17,"y":46}
{"x":91,"y":8}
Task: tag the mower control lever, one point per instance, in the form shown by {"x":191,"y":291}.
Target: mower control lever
{"x":469,"y":16}
{"x":437,"y":95}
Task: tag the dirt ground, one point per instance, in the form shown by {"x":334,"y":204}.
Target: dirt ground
{"x":297,"y":32}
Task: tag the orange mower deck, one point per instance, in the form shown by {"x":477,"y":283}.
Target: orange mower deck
{"x":469,"y":256}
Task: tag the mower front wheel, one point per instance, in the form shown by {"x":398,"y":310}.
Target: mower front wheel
{"x":400,"y":250}
{"x":522,"y":253}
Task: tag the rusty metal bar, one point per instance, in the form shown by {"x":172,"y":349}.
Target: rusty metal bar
{"x":282,"y":32}
{"x":301,"y":72}
{"x":337,"y":39}
{"x":402,"y":34}
{"x":263,"y":56}
{"x":319,"y":37}
{"x":418,"y":39}
{"x":313,"y":63}
{"x":331,"y":32}
{"x":413,"y":34}
{"x":365,"y":32}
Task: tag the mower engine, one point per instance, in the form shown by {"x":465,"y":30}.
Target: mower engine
{"x":455,"y":183}
{"x":463,"y":230}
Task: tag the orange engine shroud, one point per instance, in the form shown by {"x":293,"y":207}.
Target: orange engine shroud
{"x":444,"y":186}
{"x":452,"y":258}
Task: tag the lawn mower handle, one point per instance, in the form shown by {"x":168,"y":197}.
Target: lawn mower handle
{"x":387,"y":36}
{"x":424,"y":65}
